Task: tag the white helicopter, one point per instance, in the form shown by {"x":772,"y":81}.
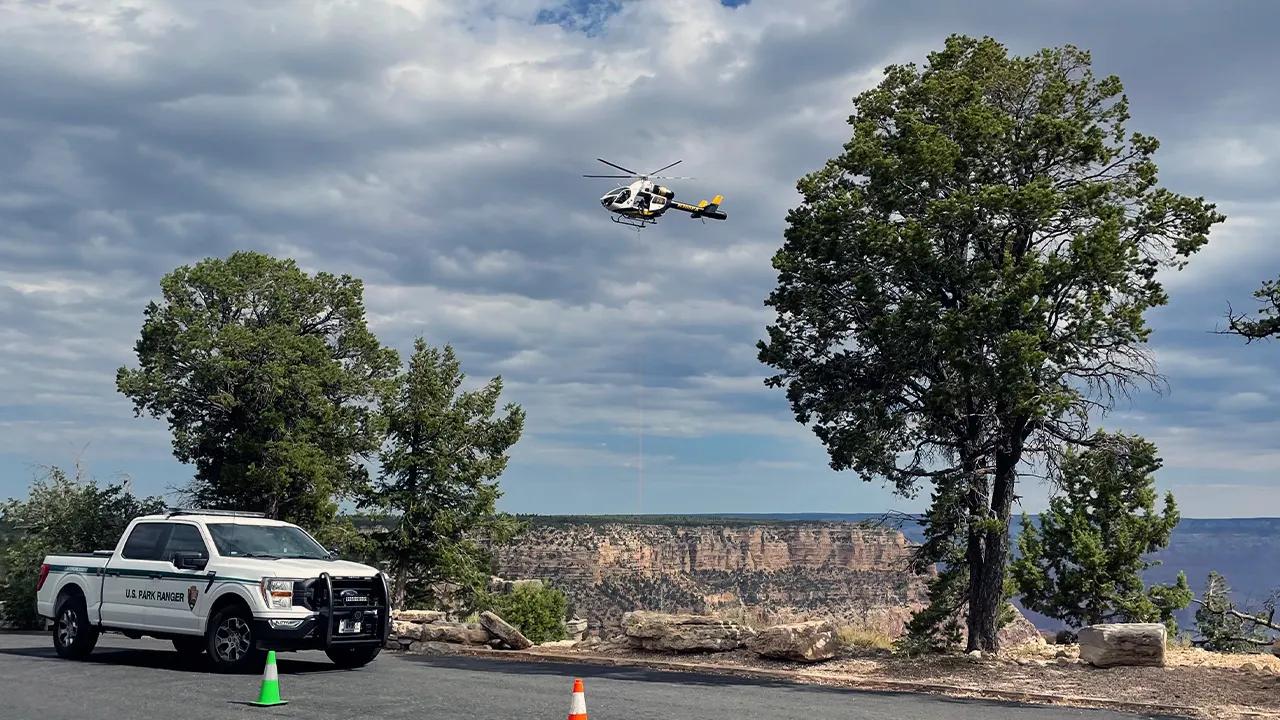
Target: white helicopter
{"x":642,"y":202}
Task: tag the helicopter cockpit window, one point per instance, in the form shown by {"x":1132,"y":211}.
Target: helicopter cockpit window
{"x":622,"y":196}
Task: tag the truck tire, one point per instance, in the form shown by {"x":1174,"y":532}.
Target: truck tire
{"x":230,"y":641}
{"x":189,"y":646}
{"x":353,"y":657}
{"x":73,"y":635}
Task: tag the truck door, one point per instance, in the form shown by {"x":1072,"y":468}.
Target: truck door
{"x":132,"y":575}
{"x":179,"y":592}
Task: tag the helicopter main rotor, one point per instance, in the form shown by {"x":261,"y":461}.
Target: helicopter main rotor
{"x":632,"y":174}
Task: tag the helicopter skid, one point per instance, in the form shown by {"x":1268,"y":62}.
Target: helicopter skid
{"x":638,"y":223}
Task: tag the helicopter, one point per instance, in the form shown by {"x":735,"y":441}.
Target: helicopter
{"x":642,"y":202}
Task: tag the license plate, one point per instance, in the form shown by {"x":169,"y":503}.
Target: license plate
{"x":348,"y":626}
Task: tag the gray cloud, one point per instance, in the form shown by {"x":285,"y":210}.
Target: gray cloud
{"x":434,"y":150}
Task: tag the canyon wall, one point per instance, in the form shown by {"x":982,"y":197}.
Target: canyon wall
{"x":856,"y":574}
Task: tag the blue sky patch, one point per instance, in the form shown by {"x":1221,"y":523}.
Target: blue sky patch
{"x":587,"y":16}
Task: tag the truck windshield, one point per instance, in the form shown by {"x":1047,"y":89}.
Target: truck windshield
{"x":272,"y":541}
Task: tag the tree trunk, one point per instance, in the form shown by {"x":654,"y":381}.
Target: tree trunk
{"x":977,"y":508}
{"x":986,"y":590}
{"x":975,"y":557}
{"x":399,"y":588}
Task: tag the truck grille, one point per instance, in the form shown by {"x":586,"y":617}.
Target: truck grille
{"x":356,"y":592}
{"x":347,"y":592}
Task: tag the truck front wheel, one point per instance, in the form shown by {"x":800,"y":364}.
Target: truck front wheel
{"x":73,"y":635}
{"x":353,"y":657}
{"x":230,"y":641}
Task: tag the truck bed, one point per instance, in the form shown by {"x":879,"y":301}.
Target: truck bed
{"x":95,"y":553}
{"x":79,"y":558}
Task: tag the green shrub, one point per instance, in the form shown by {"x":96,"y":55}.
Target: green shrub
{"x":61,"y":514}
{"x":538,"y":612}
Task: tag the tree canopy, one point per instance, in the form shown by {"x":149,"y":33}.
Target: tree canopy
{"x":266,"y":375}
{"x":445,"y":449}
{"x":1266,"y":323}
{"x":1083,"y":562}
{"x":966,"y":282}
{"x":62,"y":513}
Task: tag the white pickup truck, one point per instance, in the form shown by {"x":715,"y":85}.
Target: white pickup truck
{"x":229,"y":584}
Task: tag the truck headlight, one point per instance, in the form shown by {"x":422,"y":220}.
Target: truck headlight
{"x":278,"y":593}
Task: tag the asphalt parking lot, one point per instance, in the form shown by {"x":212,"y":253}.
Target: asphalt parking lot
{"x":147,"y":679}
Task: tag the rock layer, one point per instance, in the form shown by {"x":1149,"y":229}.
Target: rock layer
{"x":854,"y":573}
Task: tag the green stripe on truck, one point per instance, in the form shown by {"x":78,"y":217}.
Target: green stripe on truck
{"x":123,"y":572}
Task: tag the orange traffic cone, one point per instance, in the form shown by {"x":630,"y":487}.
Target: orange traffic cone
{"x":578,"y":706}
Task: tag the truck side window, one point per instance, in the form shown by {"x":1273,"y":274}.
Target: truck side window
{"x":184,"y":538}
{"x":143,"y":542}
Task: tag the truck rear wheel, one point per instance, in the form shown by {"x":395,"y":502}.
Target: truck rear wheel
{"x":73,"y":635}
{"x":230,"y":641}
{"x":353,"y":657}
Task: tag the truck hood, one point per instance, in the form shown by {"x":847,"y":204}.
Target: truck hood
{"x":294,"y":568}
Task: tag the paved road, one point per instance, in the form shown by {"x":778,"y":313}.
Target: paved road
{"x":126,"y":679}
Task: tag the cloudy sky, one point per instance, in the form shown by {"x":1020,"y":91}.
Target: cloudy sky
{"x":434,"y":149}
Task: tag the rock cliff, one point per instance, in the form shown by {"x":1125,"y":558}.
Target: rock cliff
{"x":850,"y":572}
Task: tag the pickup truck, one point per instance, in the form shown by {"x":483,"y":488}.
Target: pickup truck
{"x":232,"y":585}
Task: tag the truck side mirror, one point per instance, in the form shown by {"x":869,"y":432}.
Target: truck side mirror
{"x":189,"y":561}
{"x":334,"y":554}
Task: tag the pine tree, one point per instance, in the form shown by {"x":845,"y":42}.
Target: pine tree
{"x":1083,"y":564}
{"x":1223,"y":627}
{"x":965,"y":284}
{"x":445,"y":451}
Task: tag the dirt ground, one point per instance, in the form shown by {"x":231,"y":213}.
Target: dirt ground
{"x":1194,"y":683}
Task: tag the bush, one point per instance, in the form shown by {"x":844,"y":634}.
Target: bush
{"x":60,"y":514}
{"x":537,"y":612}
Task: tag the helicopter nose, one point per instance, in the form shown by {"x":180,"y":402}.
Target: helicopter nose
{"x":605,"y":201}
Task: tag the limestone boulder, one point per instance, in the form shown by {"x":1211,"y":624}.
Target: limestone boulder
{"x":476,"y":634}
{"x":804,"y":642}
{"x":576,"y":629}
{"x":1018,"y":632}
{"x":504,"y":631}
{"x":402,"y":629}
{"x":447,"y":632}
{"x":683,"y":633}
{"x":1113,"y":644}
{"x":418,"y":616}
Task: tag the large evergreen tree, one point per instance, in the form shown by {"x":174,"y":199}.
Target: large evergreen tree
{"x":967,"y":280}
{"x":438,"y":484}
{"x":266,"y":375}
{"x":1083,"y":562}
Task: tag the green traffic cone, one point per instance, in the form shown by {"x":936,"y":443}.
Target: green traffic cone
{"x":270,"y":693}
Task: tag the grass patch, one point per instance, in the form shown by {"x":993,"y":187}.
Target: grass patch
{"x":863,"y":639}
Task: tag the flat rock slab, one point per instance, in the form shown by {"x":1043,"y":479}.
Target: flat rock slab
{"x":683,"y":633}
{"x":1113,"y":644}
{"x":418,"y":616}
{"x":504,"y":631}
{"x":811,"y":641}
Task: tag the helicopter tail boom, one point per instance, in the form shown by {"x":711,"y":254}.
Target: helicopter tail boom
{"x":703,"y":208}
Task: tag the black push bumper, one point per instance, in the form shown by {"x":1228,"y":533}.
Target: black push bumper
{"x":322,"y":630}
